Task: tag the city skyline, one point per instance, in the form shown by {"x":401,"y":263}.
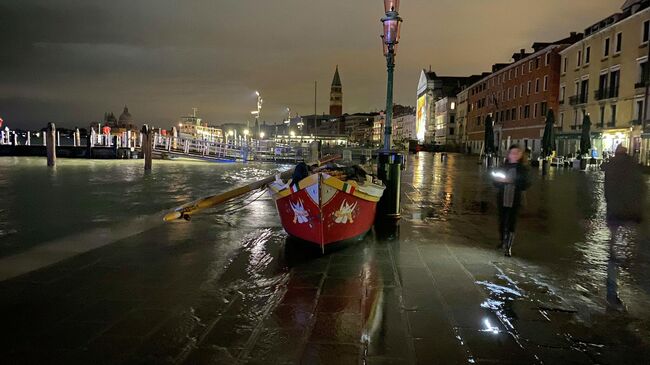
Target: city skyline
{"x":70,"y":63}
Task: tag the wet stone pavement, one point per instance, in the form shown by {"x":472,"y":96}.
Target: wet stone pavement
{"x":432,"y":290}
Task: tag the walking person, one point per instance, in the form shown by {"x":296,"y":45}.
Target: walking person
{"x":511,"y":181}
{"x":624,"y":188}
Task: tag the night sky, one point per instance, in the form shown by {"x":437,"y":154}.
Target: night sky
{"x":69,"y":61}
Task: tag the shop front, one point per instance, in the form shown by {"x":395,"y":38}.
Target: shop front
{"x":612,"y":138}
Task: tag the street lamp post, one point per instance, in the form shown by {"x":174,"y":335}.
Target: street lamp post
{"x":390,"y":162}
{"x":391,"y":24}
{"x":257,"y":112}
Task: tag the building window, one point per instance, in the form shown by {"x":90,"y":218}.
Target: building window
{"x":510,"y":74}
{"x":453,"y":105}
{"x":535,"y":110}
{"x":537,"y":63}
{"x":602,"y":116}
{"x":579,"y":59}
{"x":530,"y":66}
{"x":548,"y":59}
{"x":527,"y":111}
{"x":522,"y":69}
{"x":544,"y":108}
{"x":521,"y":90}
{"x":562,"y":94}
{"x":619,"y":42}
{"x":643,"y":73}
{"x":513,"y":113}
{"x":606,"y":47}
{"x":613,"y":120}
{"x":602,"y":85}
{"x":516,"y":72}
{"x":536,"y":85}
{"x":451,"y":131}
{"x":508,"y":94}
{"x":546,"y":83}
{"x":639,"y":111}
{"x":565,"y":61}
{"x":645,"y":36}
{"x":561,"y":120}
{"x":528,"y":90}
{"x":587,"y":55}
{"x":514,"y":92}
{"x":452,"y":119}
{"x":614,"y":79}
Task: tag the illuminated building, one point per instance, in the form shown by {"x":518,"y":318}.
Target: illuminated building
{"x":432,"y":88}
{"x":606,"y":76}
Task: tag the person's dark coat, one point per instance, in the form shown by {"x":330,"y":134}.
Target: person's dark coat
{"x":624,"y":188}
{"x":522,"y":182}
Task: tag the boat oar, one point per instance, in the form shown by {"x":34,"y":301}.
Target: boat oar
{"x":187,"y":210}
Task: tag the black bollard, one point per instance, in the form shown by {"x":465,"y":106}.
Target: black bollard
{"x":389,"y":171}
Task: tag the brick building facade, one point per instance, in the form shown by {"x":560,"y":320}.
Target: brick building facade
{"x":517,"y":96}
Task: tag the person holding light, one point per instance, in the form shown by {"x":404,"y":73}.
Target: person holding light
{"x":511,"y":181}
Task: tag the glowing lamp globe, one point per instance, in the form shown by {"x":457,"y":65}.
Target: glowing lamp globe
{"x":391,"y":29}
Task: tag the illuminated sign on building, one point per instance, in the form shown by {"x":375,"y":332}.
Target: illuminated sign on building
{"x":421,"y":122}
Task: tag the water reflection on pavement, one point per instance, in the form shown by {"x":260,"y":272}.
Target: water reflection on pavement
{"x":431,"y":290}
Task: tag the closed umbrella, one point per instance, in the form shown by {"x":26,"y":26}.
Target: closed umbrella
{"x":548,"y":141}
{"x":585,"y":138}
{"x":489,"y":135}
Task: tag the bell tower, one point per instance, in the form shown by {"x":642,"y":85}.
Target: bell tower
{"x":336,"y":95}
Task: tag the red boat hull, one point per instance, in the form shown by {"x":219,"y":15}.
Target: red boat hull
{"x":320,"y":210}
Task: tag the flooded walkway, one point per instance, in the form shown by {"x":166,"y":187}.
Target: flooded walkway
{"x":230,"y":289}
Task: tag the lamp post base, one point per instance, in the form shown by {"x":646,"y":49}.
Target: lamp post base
{"x":389,"y":170}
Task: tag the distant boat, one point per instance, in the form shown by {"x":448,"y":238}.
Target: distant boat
{"x":323,"y":209}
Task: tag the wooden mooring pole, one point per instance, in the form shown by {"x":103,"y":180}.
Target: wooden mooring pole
{"x":147,"y":147}
{"x":50,"y":138}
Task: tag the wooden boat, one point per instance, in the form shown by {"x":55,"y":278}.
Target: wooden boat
{"x":323,"y":209}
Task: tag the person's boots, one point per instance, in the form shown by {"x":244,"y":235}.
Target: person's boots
{"x":504,"y":241}
{"x":509,"y":241}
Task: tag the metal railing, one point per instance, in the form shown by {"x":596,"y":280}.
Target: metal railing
{"x":578,"y":99}
{"x":607,"y":93}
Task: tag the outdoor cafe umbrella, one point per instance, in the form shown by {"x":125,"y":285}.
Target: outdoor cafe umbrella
{"x":548,"y":141}
{"x":585,"y":138}
{"x":489,"y":135}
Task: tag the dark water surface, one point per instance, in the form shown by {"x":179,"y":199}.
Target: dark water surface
{"x":38,"y":205}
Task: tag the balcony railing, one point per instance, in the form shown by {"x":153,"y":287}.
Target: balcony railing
{"x":562,"y":102}
{"x":607,"y":93}
{"x":578,"y":99}
{"x":641,"y":85}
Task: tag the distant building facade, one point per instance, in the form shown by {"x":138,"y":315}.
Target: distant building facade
{"x":432,"y":88}
{"x":517,"y":96}
{"x":461,"y":119}
{"x":446,"y":130}
{"x":605,"y":76}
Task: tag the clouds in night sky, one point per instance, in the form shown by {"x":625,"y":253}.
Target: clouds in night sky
{"x":71,"y":61}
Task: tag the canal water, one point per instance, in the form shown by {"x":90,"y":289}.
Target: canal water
{"x":40,"y":205}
